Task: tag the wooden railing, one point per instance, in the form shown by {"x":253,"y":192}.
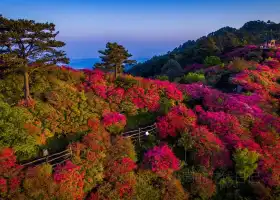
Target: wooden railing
{"x":53,"y":159}
{"x":58,"y":158}
{"x":140,"y":133}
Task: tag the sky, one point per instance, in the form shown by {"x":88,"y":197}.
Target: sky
{"x":145,"y":27}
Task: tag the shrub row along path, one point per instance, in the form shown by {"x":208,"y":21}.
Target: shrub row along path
{"x":139,"y":134}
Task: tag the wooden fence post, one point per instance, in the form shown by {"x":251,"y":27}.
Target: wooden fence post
{"x":70,"y":151}
{"x":139,"y":131}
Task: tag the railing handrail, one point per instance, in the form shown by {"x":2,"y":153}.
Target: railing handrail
{"x":137,"y":133}
{"x":46,"y":158}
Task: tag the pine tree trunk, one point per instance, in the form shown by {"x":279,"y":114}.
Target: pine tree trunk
{"x":26,"y":86}
{"x":113,"y":139}
{"x":116,"y":71}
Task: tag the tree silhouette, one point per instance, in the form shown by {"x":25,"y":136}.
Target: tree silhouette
{"x":114,"y":57}
{"x":25,"y":43}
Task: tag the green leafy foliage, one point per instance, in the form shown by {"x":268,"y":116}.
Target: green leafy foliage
{"x":26,"y":42}
{"x":148,"y":186}
{"x":239,"y":64}
{"x":125,"y":82}
{"x":245,"y":162}
{"x":39,"y":183}
{"x":192,"y":78}
{"x":13,"y":133}
{"x":113,"y":58}
{"x":162,"y":77}
{"x":212,"y":61}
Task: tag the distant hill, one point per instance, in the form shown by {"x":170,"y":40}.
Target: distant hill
{"x":88,"y":63}
{"x":217,"y":43}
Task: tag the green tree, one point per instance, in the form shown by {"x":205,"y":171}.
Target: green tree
{"x":192,"y":78}
{"x":245,"y":162}
{"x":212,"y":61}
{"x":114,"y":57}
{"x":25,"y":43}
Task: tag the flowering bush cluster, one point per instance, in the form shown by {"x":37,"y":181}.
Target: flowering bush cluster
{"x":70,"y":181}
{"x":10,"y":173}
{"x":162,"y":161}
{"x":216,"y":130}
{"x":119,"y":166}
{"x":259,"y":80}
{"x":144,"y":98}
{"x":114,"y":122}
{"x":177,"y":120}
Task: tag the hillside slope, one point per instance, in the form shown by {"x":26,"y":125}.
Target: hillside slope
{"x":217,"y":43}
{"x":216,"y":140}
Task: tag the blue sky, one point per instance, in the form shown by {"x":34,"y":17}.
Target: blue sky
{"x":144,"y":27}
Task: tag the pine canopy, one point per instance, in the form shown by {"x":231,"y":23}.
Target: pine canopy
{"x":25,"y":42}
{"x":114,"y":57}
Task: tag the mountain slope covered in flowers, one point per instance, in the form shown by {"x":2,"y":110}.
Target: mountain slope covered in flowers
{"x":218,"y":138}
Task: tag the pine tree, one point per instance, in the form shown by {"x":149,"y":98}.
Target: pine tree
{"x":25,"y":43}
{"x":113,"y":58}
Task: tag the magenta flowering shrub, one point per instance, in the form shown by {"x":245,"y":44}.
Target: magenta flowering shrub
{"x":178,"y":119}
{"x":277,"y":55}
{"x":220,"y":122}
{"x":114,"y":122}
{"x":95,"y":76}
{"x":100,"y":90}
{"x":115,"y":95}
{"x":172,"y":92}
{"x":144,"y":98}
{"x":209,"y":148}
{"x":69,"y":180}
{"x":262,"y":80}
{"x":10,"y":174}
{"x":162,"y":161}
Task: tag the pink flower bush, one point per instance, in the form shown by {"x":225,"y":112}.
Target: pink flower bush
{"x":173,"y":93}
{"x":162,"y":161}
{"x":114,"y":122}
{"x":100,"y":90}
{"x":69,"y":180}
{"x":177,"y":120}
{"x":115,"y":95}
{"x":210,"y":150}
{"x":120,"y":167}
{"x":277,"y":55}
{"x":221,"y":123}
{"x":144,"y":98}
{"x":10,"y":173}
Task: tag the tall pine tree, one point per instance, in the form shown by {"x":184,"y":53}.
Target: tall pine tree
{"x":25,"y":43}
{"x":113,"y":58}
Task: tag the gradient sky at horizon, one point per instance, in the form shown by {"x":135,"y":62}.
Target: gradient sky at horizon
{"x":144,"y":27}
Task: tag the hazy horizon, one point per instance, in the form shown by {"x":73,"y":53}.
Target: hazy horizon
{"x":145,"y":28}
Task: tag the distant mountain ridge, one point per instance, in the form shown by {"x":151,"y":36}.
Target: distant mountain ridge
{"x":217,"y":43}
{"x":88,"y":63}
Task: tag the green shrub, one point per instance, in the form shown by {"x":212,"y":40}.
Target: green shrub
{"x":125,"y":82}
{"x":38,"y":183}
{"x":141,"y":119}
{"x":12,"y":131}
{"x":245,"y":162}
{"x":165,"y":105}
{"x":239,"y":64}
{"x":148,"y":186}
{"x":11,"y":87}
{"x":212,"y":61}
{"x":192,"y":78}
{"x":162,"y":77}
